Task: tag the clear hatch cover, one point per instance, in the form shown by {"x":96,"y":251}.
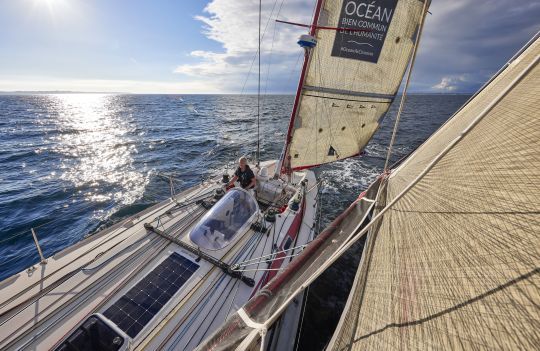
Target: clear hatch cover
{"x":228,"y":217}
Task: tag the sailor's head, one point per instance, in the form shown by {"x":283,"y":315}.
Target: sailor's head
{"x":242,"y":162}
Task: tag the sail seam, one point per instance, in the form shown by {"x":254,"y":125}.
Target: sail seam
{"x":348,"y":92}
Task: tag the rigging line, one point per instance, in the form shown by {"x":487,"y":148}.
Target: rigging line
{"x":259,"y":269}
{"x":313,"y":13}
{"x":313,"y":187}
{"x":26,"y":231}
{"x":302,"y":319}
{"x":257,"y":53}
{"x":267,"y":257}
{"x":79,"y":209}
{"x":192,"y":314}
{"x":271,"y":51}
{"x":404,"y":94}
{"x":108,"y":260}
{"x":268,"y":66}
{"x":293,"y":68}
{"x":237,"y":285}
{"x":241,"y":266}
{"x":250,"y":247}
{"x":259,"y":91}
{"x":274,"y":244}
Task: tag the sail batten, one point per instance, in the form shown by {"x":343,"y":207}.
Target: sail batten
{"x":328,"y":123}
{"x":348,"y":92}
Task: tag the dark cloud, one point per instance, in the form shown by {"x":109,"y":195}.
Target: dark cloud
{"x":463,"y":44}
{"x":466,"y":41}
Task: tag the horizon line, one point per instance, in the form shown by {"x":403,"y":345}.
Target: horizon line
{"x":52,"y":92}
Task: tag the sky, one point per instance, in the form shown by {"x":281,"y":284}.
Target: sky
{"x":196,"y":46}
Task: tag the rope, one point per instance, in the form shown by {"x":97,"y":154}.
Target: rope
{"x":272,"y":254}
{"x":257,"y":53}
{"x":302,"y":319}
{"x":237,"y":268}
{"x":404,"y":94}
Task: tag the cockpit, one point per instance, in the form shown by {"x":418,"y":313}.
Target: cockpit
{"x":228,"y":217}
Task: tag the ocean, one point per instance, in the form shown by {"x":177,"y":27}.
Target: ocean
{"x":72,"y":164}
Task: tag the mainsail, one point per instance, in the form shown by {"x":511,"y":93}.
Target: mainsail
{"x":350,"y":78}
{"x":453,"y":252}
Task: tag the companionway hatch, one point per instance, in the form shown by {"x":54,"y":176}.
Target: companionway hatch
{"x":230,"y":216}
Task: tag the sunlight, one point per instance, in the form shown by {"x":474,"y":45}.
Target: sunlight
{"x":50,"y":3}
{"x":96,"y":147}
{"x":55,"y":7}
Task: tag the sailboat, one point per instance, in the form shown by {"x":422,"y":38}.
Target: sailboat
{"x":452,"y":255}
{"x":169,"y":276}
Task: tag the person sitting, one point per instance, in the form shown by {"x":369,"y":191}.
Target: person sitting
{"x":244,"y":175}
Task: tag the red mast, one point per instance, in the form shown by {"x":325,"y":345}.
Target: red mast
{"x":284,"y":162}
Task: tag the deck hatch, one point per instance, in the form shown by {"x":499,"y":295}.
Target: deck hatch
{"x":228,"y":218}
{"x":144,"y":300}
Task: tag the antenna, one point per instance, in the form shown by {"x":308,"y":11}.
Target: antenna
{"x":259,"y":91}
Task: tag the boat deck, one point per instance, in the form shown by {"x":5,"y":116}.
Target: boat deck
{"x":104,"y":273}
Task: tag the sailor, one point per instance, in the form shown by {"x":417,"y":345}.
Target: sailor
{"x":244,"y":175}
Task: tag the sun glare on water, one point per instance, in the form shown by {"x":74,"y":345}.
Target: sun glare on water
{"x":96,"y":147}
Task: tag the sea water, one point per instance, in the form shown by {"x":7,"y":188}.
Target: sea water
{"x":72,"y":164}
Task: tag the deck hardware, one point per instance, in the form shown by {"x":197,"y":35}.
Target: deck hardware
{"x":259,"y":227}
{"x":43,"y":260}
{"x":171,"y":184}
{"x":225,"y":267}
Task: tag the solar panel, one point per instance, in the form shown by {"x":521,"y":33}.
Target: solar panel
{"x":144,"y":300}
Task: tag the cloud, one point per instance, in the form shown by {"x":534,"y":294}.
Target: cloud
{"x":462,"y":38}
{"x":449,"y":83}
{"x":33,"y":83}
{"x":234,"y":24}
{"x":471,"y":39}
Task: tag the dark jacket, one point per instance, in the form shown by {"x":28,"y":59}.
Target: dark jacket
{"x":244,"y":177}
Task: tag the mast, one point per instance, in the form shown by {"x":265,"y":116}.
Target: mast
{"x":284,"y":153}
{"x":259,"y":91}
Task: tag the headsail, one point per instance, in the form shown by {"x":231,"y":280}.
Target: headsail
{"x":350,"y":78}
{"x":455,"y":262}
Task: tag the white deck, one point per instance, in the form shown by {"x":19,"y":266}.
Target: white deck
{"x":39,"y":308}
